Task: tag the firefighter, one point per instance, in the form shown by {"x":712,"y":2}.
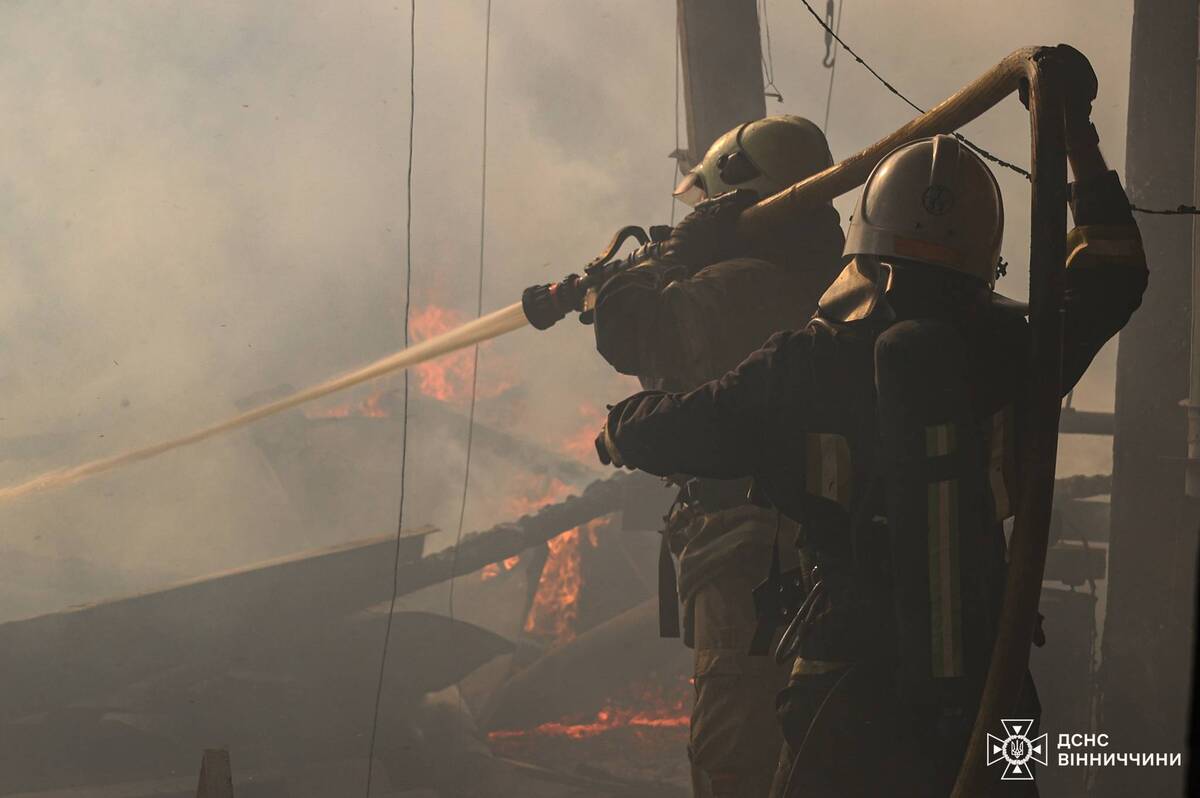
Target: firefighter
{"x":886,"y":428}
{"x":676,"y":322}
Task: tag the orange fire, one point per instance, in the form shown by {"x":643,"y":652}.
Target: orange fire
{"x":643,"y":707}
{"x":448,"y":378}
{"x":493,"y":570}
{"x":556,"y":603}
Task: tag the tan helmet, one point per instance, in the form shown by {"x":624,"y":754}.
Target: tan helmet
{"x":766,"y":156}
{"x":931,"y":201}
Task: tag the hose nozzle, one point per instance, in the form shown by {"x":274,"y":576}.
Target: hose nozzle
{"x":546,"y":305}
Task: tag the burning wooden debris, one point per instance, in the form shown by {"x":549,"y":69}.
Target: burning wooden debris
{"x":278,"y":662}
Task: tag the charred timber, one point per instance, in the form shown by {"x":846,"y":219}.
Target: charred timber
{"x":502,"y":541}
{"x":242,"y":615}
{"x":1082,"y":486}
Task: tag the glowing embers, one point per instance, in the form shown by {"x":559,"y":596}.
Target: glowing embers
{"x":494,"y":570}
{"x":647,"y":706}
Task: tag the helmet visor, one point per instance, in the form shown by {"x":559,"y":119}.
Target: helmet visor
{"x":736,"y":168}
{"x":690,"y":190}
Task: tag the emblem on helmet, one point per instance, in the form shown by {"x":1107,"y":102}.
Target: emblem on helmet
{"x":937,"y":199}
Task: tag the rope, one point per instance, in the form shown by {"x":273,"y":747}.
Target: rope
{"x":387,"y":630}
{"x":462,"y":509}
{"x":830,"y":59}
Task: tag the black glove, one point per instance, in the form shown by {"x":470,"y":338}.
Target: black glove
{"x":606,"y":449}
{"x":1100,"y":199}
{"x":708,"y":234}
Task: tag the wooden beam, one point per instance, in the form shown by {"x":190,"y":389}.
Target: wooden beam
{"x":1148,"y":624}
{"x":722,"y":68}
{"x":216,"y":775}
{"x":54,"y":660}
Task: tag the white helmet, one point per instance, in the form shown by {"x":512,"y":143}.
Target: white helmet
{"x":932,"y":201}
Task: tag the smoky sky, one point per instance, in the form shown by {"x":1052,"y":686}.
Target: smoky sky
{"x":202,"y":201}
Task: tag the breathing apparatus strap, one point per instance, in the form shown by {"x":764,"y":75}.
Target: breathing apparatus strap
{"x":668,"y":580}
{"x":668,"y":591}
{"x":768,"y":610}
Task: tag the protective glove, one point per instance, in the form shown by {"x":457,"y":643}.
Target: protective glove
{"x":606,"y":449}
{"x":708,"y":234}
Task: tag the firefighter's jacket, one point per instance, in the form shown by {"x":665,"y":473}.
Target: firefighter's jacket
{"x":799,"y":415}
{"x":676,"y":326}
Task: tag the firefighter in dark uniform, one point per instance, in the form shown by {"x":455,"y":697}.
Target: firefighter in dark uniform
{"x":886,"y":428}
{"x":686,"y":317}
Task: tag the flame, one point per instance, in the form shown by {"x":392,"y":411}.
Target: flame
{"x":645,"y":706}
{"x":448,"y":378}
{"x":493,"y":570}
{"x":556,"y":604}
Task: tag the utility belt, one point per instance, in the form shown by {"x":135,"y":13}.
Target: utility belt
{"x":696,"y":498}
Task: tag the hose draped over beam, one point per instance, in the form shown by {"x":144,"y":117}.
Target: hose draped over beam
{"x":968,"y":104}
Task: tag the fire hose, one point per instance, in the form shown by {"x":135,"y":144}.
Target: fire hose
{"x":1047,"y":77}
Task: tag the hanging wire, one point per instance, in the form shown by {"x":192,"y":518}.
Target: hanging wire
{"x":980,"y":150}
{"x":408,"y":183}
{"x":830,"y":60}
{"x":676,"y":154}
{"x":830,"y":33}
{"x":1182,"y":210}
{"x":462,"y":510}
{"x":768,"y":60}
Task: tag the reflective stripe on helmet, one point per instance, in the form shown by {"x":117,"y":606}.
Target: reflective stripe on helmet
{"x":945,"y":620}
{"x":928,"y":252}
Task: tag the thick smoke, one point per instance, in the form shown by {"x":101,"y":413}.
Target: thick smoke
{"x":202,"y":202}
